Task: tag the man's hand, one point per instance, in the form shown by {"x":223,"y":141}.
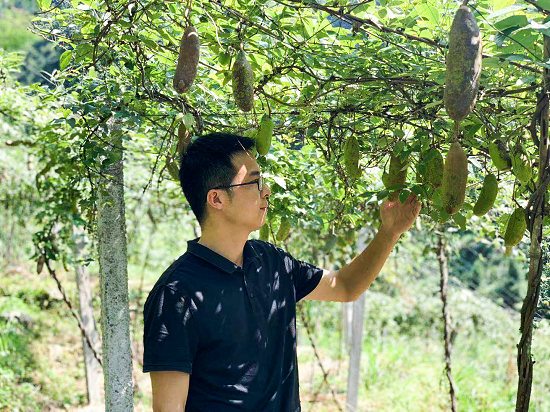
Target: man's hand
{"x":398,"y":217}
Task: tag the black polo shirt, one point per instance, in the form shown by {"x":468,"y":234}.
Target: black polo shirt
{"x":233,"y":329}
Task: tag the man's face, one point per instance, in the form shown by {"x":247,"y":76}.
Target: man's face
{"x":248,"y":206}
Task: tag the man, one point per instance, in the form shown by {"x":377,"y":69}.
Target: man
{"x":220,"y":323}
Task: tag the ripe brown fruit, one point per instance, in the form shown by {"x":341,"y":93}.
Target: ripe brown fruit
{"x":463,"y":65}
{"x":40,"y":264}
{"x":243,"y":82}
{"x":188,"y":60}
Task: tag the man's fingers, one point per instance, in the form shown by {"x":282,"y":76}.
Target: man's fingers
{"x":411,"y":198}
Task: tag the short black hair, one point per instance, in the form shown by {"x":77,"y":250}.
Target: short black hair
{"x":207,"y":164}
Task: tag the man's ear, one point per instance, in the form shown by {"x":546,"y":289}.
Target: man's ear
{"x":217,"y":198}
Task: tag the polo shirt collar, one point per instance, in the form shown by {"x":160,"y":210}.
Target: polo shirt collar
{"x":221,"y":262}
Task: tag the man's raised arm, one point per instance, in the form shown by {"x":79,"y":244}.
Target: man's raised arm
{"x":350,"y":281}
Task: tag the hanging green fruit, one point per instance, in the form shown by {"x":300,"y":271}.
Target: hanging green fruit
{"x":520,"y":164}
{"x":349,"y":236}
{"x":487,"y":196}
{"x":434,"y":167}
{"x":515,"y":229}
{"x":264,"y":232}
{"x":263,"y":138}
{"x":184,"y":138}
{"x":352,"y":155}
{"x":455,"y":176}
{"x":499,"y":155}
{"x":284,"y":230}
{"x":396,"y":175}
{"x":173,"y":169}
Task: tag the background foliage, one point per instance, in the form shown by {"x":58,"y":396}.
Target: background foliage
{"x":324,"y":71}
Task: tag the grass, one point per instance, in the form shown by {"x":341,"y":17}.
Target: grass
{"x":406,"y":372}
{"x":402,"y":364}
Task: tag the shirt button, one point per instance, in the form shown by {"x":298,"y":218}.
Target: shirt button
{"x":251,"y":295}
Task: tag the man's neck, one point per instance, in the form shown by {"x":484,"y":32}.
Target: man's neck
{"x":230,"y":246}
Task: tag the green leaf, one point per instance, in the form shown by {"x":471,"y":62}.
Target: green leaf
{"x":188,"y":120}
{"x":82,"y":51}
{"x":541,"y":28}
{"x":65,"y":59}
{"x":428,"y":12}
{"x":44,"y":4}
{"x":280,"y":181}
{"x":512,"y":21}
{"x":506,"y":10}
{"x":460,"y":220}
{"x":512,"y":57}
{"x":545,"y":4}
{"x":404,"y":195}
{"x":500,"y":4}
{"x":502,"y":36}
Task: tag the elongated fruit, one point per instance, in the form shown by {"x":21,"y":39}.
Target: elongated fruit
{"x":463,"y":65}
{"x":487,"y":196}
{"x":283,"y":231}
{"x":396,"y":175}
{"x":515,"y":229}
{"x":520,"y":165}
{"x":499,"y":155}
{"x":352,"y":155}
{"x":243,"y":82}
{"x":40,"y":264}
{"x":434,"y":168}
{"x":263,"y":138}
{"x":183,"y":139}
{"x":264,"y":232}
{"x":349,"y":236}
{"x":188,"y":60}
{"x":173,"y":169}
{"x":455,"y":176}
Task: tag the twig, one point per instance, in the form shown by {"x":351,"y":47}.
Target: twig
{"x":73,"y":312}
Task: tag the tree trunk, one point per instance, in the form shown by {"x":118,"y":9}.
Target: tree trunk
{"x":356,"y":340}
{"x":115,"y":316}
{"x":355,"y":353}
{"x":347,"y":316}
{"x":9,"y":241}
{"x":535,"y":212}
{"x":85,"y":307}
{"x":444,"y":269}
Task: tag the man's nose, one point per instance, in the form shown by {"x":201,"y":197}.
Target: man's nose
{"x":266,"y":190}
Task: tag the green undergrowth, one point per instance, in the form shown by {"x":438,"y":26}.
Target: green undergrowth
{"x":402,"y":364}
{"x":40,"y":367}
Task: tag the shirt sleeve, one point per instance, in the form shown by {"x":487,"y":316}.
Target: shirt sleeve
{"x":306,"y":276}
{"x":170,"y":337}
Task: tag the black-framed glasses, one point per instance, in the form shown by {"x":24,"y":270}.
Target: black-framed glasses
{"x":259,"y":182}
